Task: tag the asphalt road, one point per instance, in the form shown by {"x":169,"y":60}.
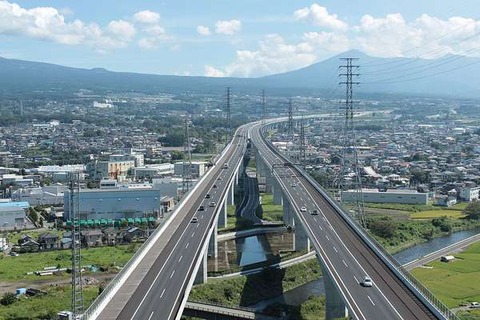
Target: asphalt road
{"x":159,"y":292}
{"x":343,"y":252}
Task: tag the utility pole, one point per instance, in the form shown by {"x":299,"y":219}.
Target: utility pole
{"x":74,"y":210}
{"x":187,"y":159}
{"x":350,"y":144}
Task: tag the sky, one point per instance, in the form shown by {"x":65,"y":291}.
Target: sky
{"x":241,"y":38}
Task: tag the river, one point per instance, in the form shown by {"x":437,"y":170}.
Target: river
{"x":259,"y":248}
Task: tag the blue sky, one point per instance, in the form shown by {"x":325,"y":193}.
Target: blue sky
{"x":242,"y":38}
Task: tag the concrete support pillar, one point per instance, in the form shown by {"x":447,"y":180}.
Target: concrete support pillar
{"x":287,"y":213}
{"x":269,"y":180}
{"x":222,"y":214}
{"x":201,"y":276}
{"x":301,"y":240}
{"x":230,"y":194}
{"x":213,"y":243}
{"x":277,"y":193}
{"x":260,"y":164}
{"x":335,"y":307}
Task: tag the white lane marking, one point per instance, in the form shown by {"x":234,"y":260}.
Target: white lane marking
{"x":186,"y":246}
{"x":335,"y":249}
{"x":162,"y":293}
{"x":151,"y":315}
{"x":201,"y":217}
{"x":327,"y":237}
{"x":356,"y":279}
{"x":180,"y":259}
{"x":173,"y":272}
{"x":314,"y":219}
{"x":370,"y":299}
{"x":320,"y":227}
{"x":198,"y":225}
{"x":193,"y":234}
{"x":345,"y":263}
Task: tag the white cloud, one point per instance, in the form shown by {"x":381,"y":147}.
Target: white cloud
{"x":228,"y":27}
{"x":425,"y":37}
{"x":204,"y":31}
{"x":147,"y":17}
{"x":154,"y":35}
{"x":47,"y":23}
{"x":319,"y":16}
{"x":213,"y":72}
{"x":274,"y":55}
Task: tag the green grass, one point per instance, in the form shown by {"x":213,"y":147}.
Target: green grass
{"x":431,"y":214}
{"x":46,"y":306}
{"x":271,"y":212}
{"x":13,"y":269}
{"x":456,"y":282}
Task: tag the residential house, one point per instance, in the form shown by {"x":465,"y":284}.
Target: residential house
{"x":48,"y":241}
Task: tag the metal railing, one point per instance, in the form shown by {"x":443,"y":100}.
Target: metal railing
{"x":127,"y":269}
{"x":421,"y":292}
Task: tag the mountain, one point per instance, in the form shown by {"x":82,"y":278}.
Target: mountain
{"x":447,"y":76}
{"x":450,"y":75}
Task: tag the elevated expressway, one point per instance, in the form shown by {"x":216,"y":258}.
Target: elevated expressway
{"x":156,"y":282}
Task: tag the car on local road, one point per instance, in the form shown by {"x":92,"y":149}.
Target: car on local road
{"x":303,"y":209}
{"x":314,"y":212}
{"x":194,"y":220}
{"x":201,"y":208}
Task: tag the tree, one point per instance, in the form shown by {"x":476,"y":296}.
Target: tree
{"x":472,"y":210}
{"x":8,"y":298}
{"x":384,"y":227}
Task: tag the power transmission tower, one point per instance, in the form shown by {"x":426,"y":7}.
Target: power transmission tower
{"x":229,"y":129}
{"x":187,"y":162}
{"x":303,"y":145}
{"x":74,"y":209}
{"x":351,"y":165}
{"x":290,"y":120}
{"x":264,"y":106}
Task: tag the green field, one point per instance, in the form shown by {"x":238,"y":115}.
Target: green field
{"x":457,"y":282}
{"x":58,"y":298}
{"x":431,"y":214}
{"x":271,"y":212}
{"x":14,"y":269}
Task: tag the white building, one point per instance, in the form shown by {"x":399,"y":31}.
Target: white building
{"x":389,"y":196}
{"x":197,"y":168}
{"x":17,"y":180}
{"x":153,"y":170}
{"x":48,"y":195}
{"x":116,"y":203}
{"x":12,"y":217}
{"x":470,"y":194}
